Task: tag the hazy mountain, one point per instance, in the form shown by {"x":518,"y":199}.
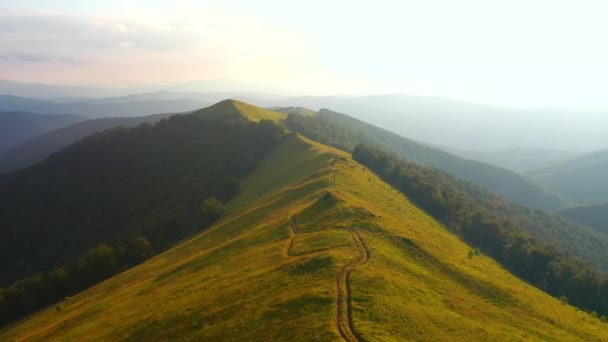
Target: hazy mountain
{"x":594,"y":216}
{"x":583,"y":178}
{"x":49,"y":91}
{"x":218,"y":89}
{"x":345,"y":132}
{"x":100,"y":109}
{"x":17,"y":127}
{"x":467,"y":126}
{"x":518,"y":159}
{"x":40,"y":147}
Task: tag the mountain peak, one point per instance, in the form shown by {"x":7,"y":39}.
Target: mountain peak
{"x":235,"y":107}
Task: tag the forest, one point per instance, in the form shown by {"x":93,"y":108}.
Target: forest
{"x":134,"y":192}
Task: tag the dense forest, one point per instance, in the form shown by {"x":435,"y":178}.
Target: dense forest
{"x":345,"y":133}
{"x":146,"y":181}
{"x":454,"y":203}
{"x":27,"y":295}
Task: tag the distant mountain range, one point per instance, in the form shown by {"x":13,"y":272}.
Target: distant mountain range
{"x":18,"y":127}
{"x":518,"y":159}
{"x":99,"y":109}
{"x":455,"y":124}
{"x":582,"y":179}
{"x":41,"y":146}
{"x":467,"y":126}
{"x":345,"y":132}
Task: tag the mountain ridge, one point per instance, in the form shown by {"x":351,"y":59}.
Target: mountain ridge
{"x":237,"y":280}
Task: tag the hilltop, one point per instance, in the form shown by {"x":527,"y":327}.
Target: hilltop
{"x":148,"y":180}
{"x":314,"y":247}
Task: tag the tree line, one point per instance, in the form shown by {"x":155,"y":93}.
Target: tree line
{"x":453,"y":203}
{"x":30,"y":294}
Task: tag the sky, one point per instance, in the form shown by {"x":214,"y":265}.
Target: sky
{"x":529,"y":54}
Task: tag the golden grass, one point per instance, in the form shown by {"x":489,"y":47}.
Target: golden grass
{"x":237,"y":282}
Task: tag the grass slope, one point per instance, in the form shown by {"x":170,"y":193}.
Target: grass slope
{"x":253,"y":278}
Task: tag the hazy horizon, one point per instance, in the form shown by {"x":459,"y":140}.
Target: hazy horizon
{"x":520,"y":54}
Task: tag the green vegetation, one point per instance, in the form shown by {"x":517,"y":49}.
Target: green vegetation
{"x":583,"y":179}
{"x":594,"y":216}
{"x":28,"y":295}
{"x":344,"y":132}
{"x":236,"y":280}
{"x":146,"y":181}
{"x":452,"y":203}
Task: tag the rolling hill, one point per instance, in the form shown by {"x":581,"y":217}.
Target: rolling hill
{"x":519,"y":159}
{"x":95,"y":108}
{"x":314,"y":247}
{"x":594,"y":216}
{"x":582,"y":179}
{"x":345,"y":132}
{"x":18,"y":127}
{"x":121,"y":183}
{"x":40,"y":147}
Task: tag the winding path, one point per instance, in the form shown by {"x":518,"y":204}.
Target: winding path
{"x":344,"y":320}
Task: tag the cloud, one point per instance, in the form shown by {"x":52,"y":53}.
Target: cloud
{"x":38,"y":58}
{"x":25,"y":57}
{"x":126,"y":44}
{"x":90,"y":33}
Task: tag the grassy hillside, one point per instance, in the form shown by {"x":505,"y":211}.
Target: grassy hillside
{"x":583,"y":179}
{"x":344,"y":132}
{"x":594,"y":216}
{"x":18,"y":127}
{"x":315,"y":247}
{"x":40,"y":147}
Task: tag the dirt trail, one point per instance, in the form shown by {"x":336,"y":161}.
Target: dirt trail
{"x":332,"y":175}
{"x":344,"y":319}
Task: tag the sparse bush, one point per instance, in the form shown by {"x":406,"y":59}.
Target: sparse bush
{"x":212,"y":209}
{"x":563,"y":299}
{"x":471,"y":254}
